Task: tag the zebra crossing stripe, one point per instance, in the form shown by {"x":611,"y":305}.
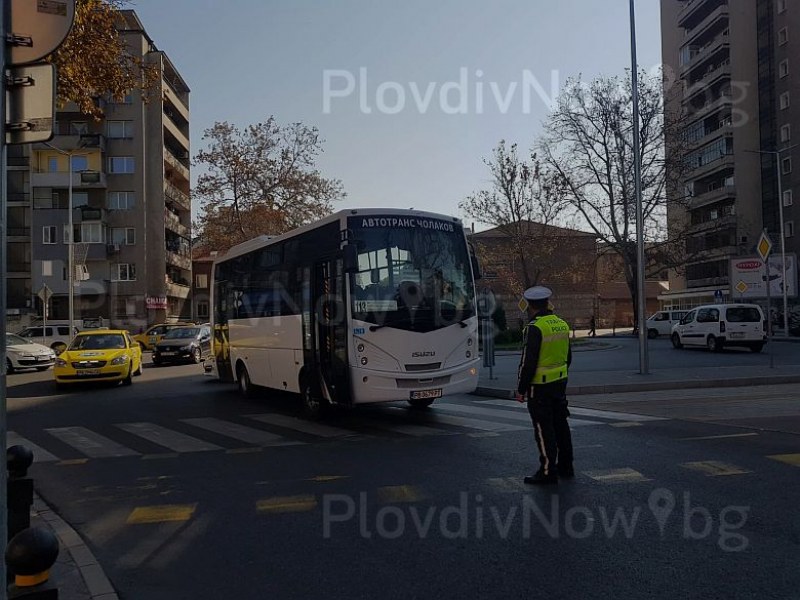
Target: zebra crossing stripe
{"x":437,"y":418}
{"x":488,"y":412}
{"x":90,"y":443}
{"x":414,"y":430}
{"x":39,"y":453}
{"x":301,"y":425}
{"x":174,"y":440}
{"x":242,"y":433}
{"x":715,"y":468}
{"x":508,"y":485}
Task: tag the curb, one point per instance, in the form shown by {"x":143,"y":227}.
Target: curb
{"x":653,"y":386}
{"x":91,"y":572}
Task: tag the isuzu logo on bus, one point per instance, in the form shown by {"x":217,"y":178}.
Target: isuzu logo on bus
{"x":422,"y":354}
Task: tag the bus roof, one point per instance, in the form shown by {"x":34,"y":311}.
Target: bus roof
{"x":266,"y":240}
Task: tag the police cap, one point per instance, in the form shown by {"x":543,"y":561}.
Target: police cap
{"x":538,"y":292}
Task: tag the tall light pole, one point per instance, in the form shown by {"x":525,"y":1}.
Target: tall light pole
{"x":782,"y":232}
{"x":637,"y":169}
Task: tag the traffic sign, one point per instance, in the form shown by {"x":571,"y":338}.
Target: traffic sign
{"x":31,"y":106}
{"x":741,"y":287}
{"x":523,"y":305}
{"x":45,"y":293}
{"x":38,"y":27}
{"x":764,"y":246}
{"x":718,"y":296}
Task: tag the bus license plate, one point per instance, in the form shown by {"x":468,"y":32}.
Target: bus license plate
{"x":426,"y":394}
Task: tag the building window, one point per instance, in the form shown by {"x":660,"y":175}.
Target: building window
{"x":47,"y":268}
{"x":201,"y":281}
{"x":49,"y":234}
{"x":126,"y":272}
{"x":786,"y":166}
{"x":783,"y":68}
{"x":80,"y":163}
{"x":90,"y":233}
{"x":120,"y":129}
{"x":781,"y":6}
{"x":786,"y":133}
{"x":52,"y":164}
{"x":783,"y":36}
{"x":80,"y":199}
{"x":788,"y":200}
{"x":789,"y":229}
{"x":123,"y":235}
{"x":126,"y":99}
{"x":120,"y":164}
{"x":79,"y":128}
{"x":121,"y":200}
{"x":202,"y":310}
{"x":124,"y":307}
{"x":785,"y":100}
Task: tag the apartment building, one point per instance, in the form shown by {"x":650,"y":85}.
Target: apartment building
{"x":130,"y":204}
{"x":731,"y":64}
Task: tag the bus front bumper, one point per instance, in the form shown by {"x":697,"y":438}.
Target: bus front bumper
{"x":380,"y":386}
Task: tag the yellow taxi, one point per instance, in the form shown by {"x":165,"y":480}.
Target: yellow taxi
{"x":153,"y":335}
{"x":99,"y":355}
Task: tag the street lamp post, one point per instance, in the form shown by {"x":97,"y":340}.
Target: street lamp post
{"x":781,"y":233}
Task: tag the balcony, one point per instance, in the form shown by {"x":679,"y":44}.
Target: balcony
{"x":178,"y":101}
{"x":18,"y":232}
{"x":179,"y":260}
{"x":19,"y":267}
{"x":705,"y":53}
{"x":710,"y":135}
{"x":703,"y":26}
{"x":177,"y":196}
{"x":174,"y":165}
{"x":175,"y":290}
{"x":714,"y":224}
{"x":695,"y":12}
{"x":724,"y":162}
{"x":94,"y":141}
{"x":173,"y":223}
{"x":709,"y":108}
{"x":707,"y":81}
{"x":60,"y":179}
{"x":723,"y":193}
{"x":174,"y":130}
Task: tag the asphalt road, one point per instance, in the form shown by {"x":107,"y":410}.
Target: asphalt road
{"x":184,"y":490}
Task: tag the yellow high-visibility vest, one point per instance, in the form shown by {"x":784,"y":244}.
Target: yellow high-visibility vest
{"x":552,"y":363}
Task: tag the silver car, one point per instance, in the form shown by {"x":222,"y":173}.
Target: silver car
{"x":24,"y":354}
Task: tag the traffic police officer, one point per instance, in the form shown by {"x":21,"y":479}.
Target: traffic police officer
{"x":546,"y":357}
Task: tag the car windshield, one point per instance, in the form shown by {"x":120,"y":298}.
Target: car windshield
{"x":743,"y":314}
{"x":111,"y":341}
{"x":182,"y":333}
{"x":415,"y":276}
{"x":15,"y":340}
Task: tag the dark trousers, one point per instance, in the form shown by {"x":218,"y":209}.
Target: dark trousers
{"x":547,"y":405}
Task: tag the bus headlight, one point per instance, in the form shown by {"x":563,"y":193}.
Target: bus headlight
{"x":469,"y":354}
{"x":364,"y":360}
{"x":360,"y":348}
{"x":469,"y":342}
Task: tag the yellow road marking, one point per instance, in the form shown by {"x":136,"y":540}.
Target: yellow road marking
{"x":399,"y":493}
{"x":322,"y":478}
{"x":715,"y":468}
{"x":282,"y":504}
{"x":165,"y":513}
{"x":625,"y":475}
{"x":508,"y":484}
{"x":789,"y":459}
{"x":73,"y":461}
{"x":627,"y":424}
{"x":720,"y":437}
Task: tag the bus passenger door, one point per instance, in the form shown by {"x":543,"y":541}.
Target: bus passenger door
{"x":330,"y":331}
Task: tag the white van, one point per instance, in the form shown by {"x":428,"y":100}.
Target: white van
{"x":716,"y":326}
{"x":661,"y":323}
{"x":54,"y":336}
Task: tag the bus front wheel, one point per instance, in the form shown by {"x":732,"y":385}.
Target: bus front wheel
{"x":314,"y":407}
{"x":421,"y":403}
{"x":243,"y":381}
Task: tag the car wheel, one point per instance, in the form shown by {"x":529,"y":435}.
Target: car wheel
{"x":156,"y":361}
{"x":197,"y":356}
{"x":421,"y":403}
{"x":652,"y":333}
{"x":676,"y":341}
{"x":714,"y":345}
{"x":756,"y":348}
{"x":9,"y":366}
{"x":314,"y":406}
{"x":129,"y":379}
{"x":245,"y":384}
{"x":138,"y":371}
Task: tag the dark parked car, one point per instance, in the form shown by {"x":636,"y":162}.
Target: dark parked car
{"x":183,"y":344}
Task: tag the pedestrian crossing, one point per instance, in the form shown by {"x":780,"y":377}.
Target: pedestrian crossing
{"x":239,"y":433}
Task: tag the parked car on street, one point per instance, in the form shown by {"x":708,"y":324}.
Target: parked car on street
{"x":54,"y":336}
{"x":148,"y":339}
{"x":661,"y":322}
{"x":21,"y":353}
{"x":99,"y":355}
{"x":717,"y":326}
{"x":183,"y":344}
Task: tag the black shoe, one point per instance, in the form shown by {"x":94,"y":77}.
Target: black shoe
{"x":566,"y":472}
{"x":541,"y":479}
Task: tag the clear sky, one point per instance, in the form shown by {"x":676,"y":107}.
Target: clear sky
{"x":444,"y":80}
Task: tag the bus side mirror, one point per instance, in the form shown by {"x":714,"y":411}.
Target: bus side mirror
{"x":476,"y":267}
{"x":350,"y":258}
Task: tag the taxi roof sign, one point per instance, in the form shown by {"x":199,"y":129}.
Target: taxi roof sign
{"x":764,"y":246}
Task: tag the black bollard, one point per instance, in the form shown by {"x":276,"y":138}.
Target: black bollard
{"x":19,"y":489}
{"x":30,"y":555}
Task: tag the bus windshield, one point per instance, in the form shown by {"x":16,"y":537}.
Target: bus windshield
{"x":412,"y":278}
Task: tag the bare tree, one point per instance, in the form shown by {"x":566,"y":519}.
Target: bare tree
{"x":260,"y":180}
{"x":524,"y":202}
{"x":588,"y":142}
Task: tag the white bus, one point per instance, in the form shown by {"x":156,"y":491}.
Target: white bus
{"x":364,"y":306}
